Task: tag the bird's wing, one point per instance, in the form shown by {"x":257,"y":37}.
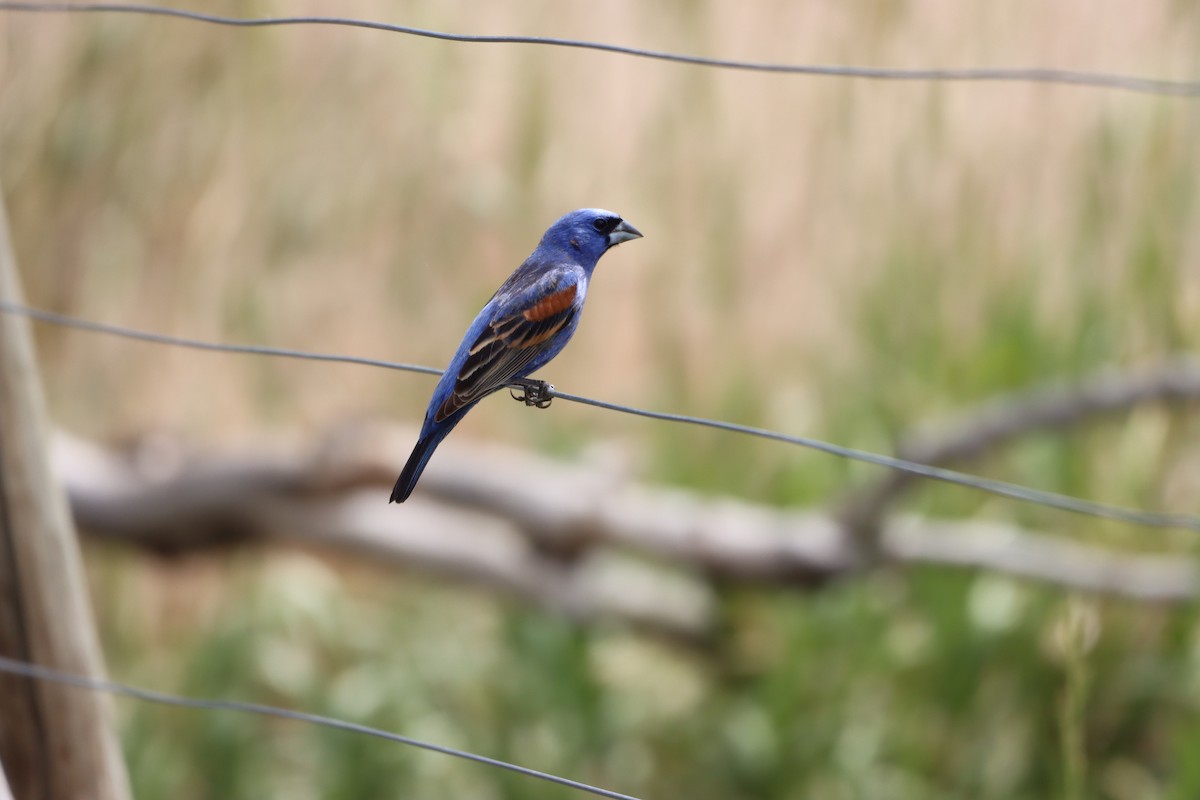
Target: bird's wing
{"x":524,"y":324}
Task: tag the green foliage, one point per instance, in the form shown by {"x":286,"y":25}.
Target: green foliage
{"x":934,"y":684}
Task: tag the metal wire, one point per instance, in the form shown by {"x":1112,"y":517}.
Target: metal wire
{"x":1153,"y":519}
{"x":41,"y":673}
{"x":1131,"y":83}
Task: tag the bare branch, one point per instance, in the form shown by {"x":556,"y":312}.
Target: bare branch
{"x":574,"y":539}
{"x":1048,"y":559}
{"x":981,"y":430}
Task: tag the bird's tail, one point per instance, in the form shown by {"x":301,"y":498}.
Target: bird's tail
{"x":416,"y":463}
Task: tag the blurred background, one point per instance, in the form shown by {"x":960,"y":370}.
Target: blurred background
{"x":842,"y":259}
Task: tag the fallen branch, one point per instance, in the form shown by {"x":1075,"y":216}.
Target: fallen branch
{"x":979,"y":431}
{"x":578,"y":540}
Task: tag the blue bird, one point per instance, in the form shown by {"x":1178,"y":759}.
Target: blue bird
{"x":527,"y":322}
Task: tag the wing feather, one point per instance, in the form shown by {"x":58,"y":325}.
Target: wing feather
{"x":510,"y":343}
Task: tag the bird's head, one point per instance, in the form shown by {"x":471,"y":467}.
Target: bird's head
{"x":587,"y":233}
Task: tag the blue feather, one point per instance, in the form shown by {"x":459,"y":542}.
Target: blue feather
{"x":528,"y":321}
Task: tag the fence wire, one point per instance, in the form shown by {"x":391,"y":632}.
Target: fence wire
{"x":38,"y":672}
{"x":1085,"y":78}
{"x":1062,"y":502}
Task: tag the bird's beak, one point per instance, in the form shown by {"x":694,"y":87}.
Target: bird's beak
{"x":623,"y":233}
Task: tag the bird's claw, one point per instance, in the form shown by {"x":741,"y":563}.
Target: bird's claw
{"x":532,"y":393}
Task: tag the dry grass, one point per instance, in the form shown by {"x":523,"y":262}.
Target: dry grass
{"x":355,"y":191}
{"x":837,"y":258}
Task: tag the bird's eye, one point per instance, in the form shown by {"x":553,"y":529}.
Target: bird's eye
{"x":604,"y":224}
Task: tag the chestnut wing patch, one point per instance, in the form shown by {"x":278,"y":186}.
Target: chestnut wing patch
{"x":551,"y":304}
{"x":506,"y":347}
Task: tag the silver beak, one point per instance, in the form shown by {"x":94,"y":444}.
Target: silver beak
{"x":623,"y":233}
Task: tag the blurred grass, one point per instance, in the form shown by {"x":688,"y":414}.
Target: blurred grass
{"x":935,"y":685}
{"x":837,"y":258}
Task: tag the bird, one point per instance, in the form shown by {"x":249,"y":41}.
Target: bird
{"x":526,"y":323}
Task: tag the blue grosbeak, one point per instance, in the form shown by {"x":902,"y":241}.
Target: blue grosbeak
{"x":527,"y":322}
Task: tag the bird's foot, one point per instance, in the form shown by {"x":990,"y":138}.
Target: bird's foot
{"x":531,"y":392}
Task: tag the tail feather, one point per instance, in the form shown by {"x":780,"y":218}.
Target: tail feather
{"x":416,"y":462}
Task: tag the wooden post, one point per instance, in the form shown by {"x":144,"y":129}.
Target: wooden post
{"x":56,"y":742}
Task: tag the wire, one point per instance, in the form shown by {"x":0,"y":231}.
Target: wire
{"x":149,"y":695}
{"x":1062,"y":502}
{"x":198,"y":344}
{"x":1131,"y":83}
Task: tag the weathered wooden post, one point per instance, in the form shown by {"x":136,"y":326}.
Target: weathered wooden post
{"x":56,"y":743}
